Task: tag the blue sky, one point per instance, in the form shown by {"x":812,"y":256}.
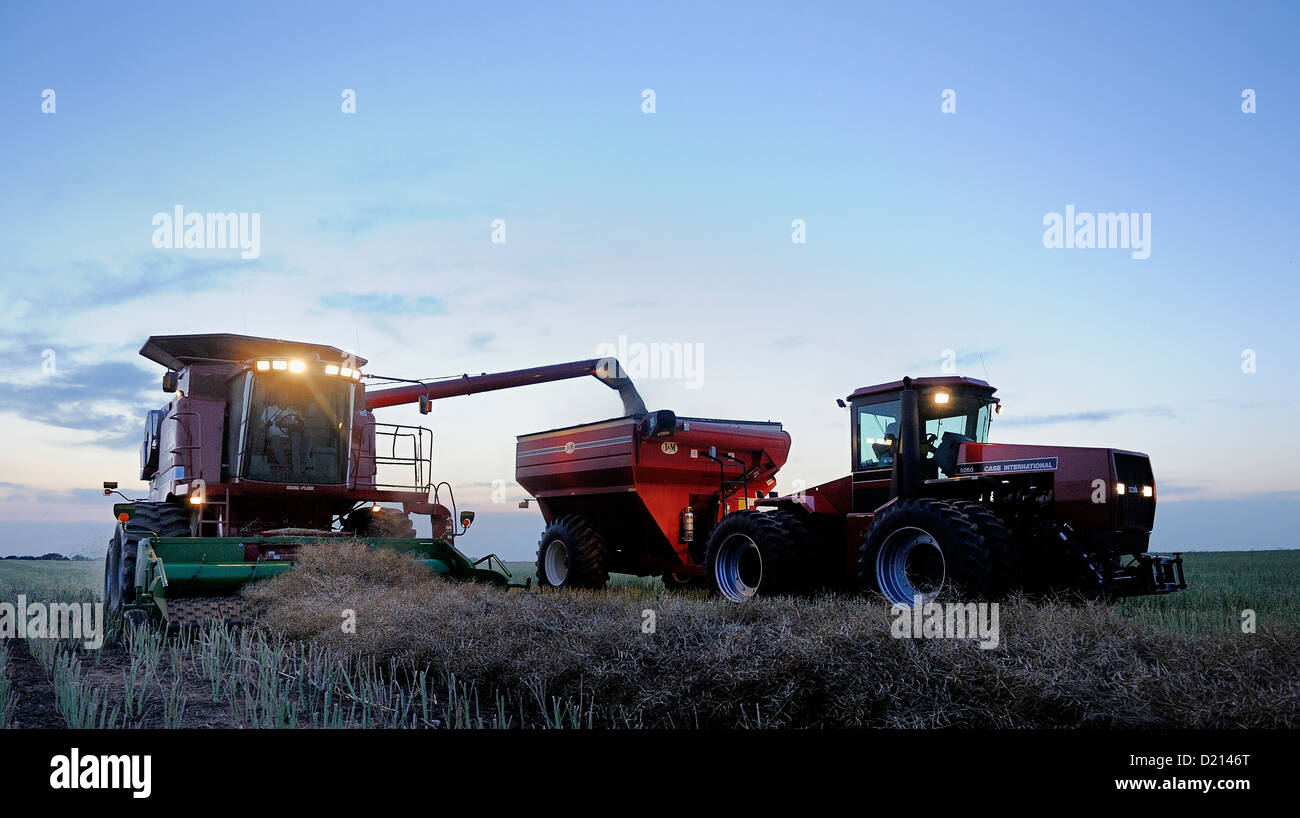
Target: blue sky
{"x":924,"y":229}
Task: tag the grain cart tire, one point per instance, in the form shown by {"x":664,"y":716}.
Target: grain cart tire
{"x":755,"y":552}
{"x":149,"y":519}
{"x":1006,"y":564}
{"x":924,"y":547}
{"x":572,"y":554}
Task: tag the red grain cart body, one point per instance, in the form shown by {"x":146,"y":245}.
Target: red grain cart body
{"x":651,"y":487}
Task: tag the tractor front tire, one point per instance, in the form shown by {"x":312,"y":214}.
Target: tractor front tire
{"x":757,"y":552}
{"x":572,"y":554}
{"x":924,"y":548}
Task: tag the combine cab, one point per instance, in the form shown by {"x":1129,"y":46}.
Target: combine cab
{"x":270,"y":446}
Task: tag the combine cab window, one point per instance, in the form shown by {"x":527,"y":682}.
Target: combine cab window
{"x":298,"y":430}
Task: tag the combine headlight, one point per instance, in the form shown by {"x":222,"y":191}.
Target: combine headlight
{"x":279,"y":365}
{"x":1148,"y":491}
{"x":1119,"y":488}
{"x":263,"y":366}
{"x":331,"y":369}
{"x":297,"y":366}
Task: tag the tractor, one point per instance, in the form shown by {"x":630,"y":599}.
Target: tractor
{"x":933,"y":510}
{"x":268,"y":446}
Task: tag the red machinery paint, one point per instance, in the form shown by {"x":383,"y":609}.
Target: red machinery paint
{"x":632,"y":480}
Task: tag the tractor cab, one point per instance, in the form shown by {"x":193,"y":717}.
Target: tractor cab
{"x":950,"y":411}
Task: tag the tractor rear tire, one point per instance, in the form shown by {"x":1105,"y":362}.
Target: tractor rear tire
{"x":1006,"y":563}
{"x":150,"y":519}
{"x":572,"y":554}
{"x":927,"y":548}
{"x":758,"y":553}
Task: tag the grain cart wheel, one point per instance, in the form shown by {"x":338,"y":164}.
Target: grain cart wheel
{"x":149,"y":519}
{"x":572,"y":554}
{"x":1006,"y":567}
{"x":927,"y":548}
{"x":753,"y":552}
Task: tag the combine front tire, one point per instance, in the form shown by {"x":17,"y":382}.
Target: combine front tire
{"x":924,"y":548}
{"x":149,"y":520}
{"x":757,"y":552}
{"x":572,"y":554}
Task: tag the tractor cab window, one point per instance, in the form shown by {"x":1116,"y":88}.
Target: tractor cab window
{"x":297,"y":429}
{"x":945,"y":427}
{"x":877,"y":435}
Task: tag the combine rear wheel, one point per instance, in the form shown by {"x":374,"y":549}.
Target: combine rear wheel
{"x":924,"y":548}
{"x":757,"y":552}
{"x":572,"y":554}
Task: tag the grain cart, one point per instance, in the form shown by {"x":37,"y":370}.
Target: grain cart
{"x":933,"y":509}
{"x":640,"y":495}
{"x":268,"y":446}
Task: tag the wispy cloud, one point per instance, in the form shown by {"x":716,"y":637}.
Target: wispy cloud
{"x":1093,"y":416}
{"x":108,"y":399}
{"x":384,"y":303}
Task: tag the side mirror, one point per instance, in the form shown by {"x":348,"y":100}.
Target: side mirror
{"x":171,"y":380}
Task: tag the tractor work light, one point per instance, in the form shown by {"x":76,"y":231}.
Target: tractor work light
{"x":346,"y":372}
{"x":331,"y":369}
{"x":196,"y":499}
{"x":263,"y":366}
{"x":940,"y":397}
{"x":1119,"y":488}
{"x":1148,"y":491}
{"x":280,"y":365}
{"x":297,"y":366}
{"x":356,"y":374}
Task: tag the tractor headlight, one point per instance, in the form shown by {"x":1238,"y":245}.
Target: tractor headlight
{"x":940,"y":397}
{"x":331,"y":369}
{"x":356,"y":374}
{"x":346,"y":372}
{"x":297,"y":366}
{"x":1148,"y":491}
{"x":263,"y":366}
{"x":1120,"y":488}
{"x":279,"y":365}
